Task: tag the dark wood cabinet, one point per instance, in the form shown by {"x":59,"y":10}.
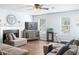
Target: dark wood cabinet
{"x":31,"y":30}
{"x":31,"y":34}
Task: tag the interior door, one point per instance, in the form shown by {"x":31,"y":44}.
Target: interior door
{"x":42,"y":28}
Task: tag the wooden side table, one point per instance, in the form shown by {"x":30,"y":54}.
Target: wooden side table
{"x":52,"y":38}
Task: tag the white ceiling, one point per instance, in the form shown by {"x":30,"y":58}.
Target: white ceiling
{"x":53,"y":8}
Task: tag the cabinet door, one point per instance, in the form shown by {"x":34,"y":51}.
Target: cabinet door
{"x":30,"y":34}
{"x":26,"y":35}
{"x":36,"y":35}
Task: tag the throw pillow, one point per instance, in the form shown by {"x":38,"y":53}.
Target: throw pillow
{"x":62,"y":50}
{"x":50,"y":48}
{"x":9,"y":36}
{"x":69,"y":43}
{"x":76,"y":42}
{"x":13,"y":35}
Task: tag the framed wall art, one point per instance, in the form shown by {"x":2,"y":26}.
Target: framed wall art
{"x":65,"y":24}
{"x":11,"y":19}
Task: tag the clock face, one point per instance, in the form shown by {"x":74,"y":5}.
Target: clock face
{"x":11,"y":19}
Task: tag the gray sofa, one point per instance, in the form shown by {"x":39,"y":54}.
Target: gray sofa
{"x":10,"y":50}
{"x":70,"y":48}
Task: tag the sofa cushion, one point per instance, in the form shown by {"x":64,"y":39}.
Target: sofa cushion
{"x":78,"y":51}
{"x":73,"y":48}
{"x":10,"y":50}
{"x":62,"y":50}
{"x":72,"y":51}
{"x":4,"y":47}
{"x":54,"y":50}
{"x":68,"y":52}
{"x":16,"y":51}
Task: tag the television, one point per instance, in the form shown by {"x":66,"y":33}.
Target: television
{"x":31,"y":25}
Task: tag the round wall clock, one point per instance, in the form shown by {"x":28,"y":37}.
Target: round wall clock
{"x":11,"y":19}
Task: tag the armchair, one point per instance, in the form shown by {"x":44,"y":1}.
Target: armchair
{"x":11,"y":39}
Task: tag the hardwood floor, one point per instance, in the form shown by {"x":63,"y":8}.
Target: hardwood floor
{"x":35,"y":47}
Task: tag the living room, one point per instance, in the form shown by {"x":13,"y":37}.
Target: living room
{"x":33,"y":29}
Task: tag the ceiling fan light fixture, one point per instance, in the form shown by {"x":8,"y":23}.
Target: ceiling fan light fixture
{"x":36,"y":7}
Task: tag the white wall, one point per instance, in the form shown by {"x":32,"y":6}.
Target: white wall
{"x":53,"y":20}
{"x":22,"y":17}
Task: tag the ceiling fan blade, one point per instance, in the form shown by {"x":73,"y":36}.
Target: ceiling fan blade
{"x":45,"y":8}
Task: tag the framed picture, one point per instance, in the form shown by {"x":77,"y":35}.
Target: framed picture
{"x":11,"y":19}
{"x":65,"y":29}
{"x":65,"y":24}
{"x":65,"y":21}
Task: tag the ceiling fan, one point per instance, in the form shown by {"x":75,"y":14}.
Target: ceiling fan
{"x":37,"y":6}
{"x":40,"y":6}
